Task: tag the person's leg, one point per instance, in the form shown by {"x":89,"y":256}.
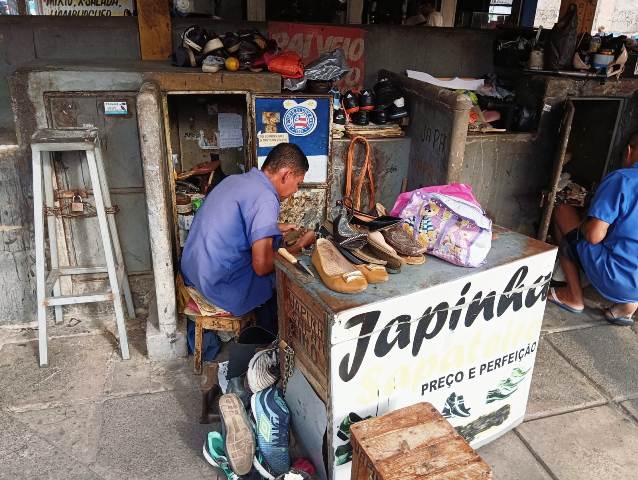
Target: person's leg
{"x":267,"y":314}
{"x":572,"y":294}
{"x":566,"y":219}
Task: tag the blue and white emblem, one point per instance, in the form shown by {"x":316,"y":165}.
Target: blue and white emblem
{"x":299,"y":119}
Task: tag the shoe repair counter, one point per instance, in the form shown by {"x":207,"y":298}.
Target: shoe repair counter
{"x":462,"y":339}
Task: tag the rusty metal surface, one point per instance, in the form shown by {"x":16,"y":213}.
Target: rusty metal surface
{"x":390,"y":167}
{"x":507,"y":247}
{"x":191,"y":80}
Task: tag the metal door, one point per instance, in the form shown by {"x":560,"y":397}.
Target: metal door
{"x":120,"y":148}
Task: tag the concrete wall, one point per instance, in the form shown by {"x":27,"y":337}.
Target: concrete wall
{"x":23,"y":39}
{"x":99,"y":40}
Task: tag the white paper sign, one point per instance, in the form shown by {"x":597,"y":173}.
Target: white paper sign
{"x":271,"y":139}
{"x":115,"y":108}
{"x":229,"y":121}
{"x":230,"y":138}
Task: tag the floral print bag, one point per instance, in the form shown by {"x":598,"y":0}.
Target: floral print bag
{"x":451,"y":228}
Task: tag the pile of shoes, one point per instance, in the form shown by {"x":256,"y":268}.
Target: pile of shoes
{"x":242,"y":50}
{"x":255,"y":420}
{"x":383,"y":105}
{"x":359,"y":249}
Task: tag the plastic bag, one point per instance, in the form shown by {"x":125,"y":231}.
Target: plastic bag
{"x":458,"y":190}
{"x":452,"y":229}
{"x":287,"y":64}
{"x":294,"y":84}
{"x":562,"y":41}
{"x":329,"y":66}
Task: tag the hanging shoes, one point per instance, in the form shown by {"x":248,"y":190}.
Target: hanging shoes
{"x":335,"y":271}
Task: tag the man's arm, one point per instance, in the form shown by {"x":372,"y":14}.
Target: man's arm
{"x":263,"y":256}
{"x":594,"y":230}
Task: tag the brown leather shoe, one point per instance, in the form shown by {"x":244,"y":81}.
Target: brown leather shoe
{"x":403,"y":242}
{"x":373,"y":273}
{"x":335,"y":271}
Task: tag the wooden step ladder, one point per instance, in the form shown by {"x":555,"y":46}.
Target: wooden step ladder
{"x":43,"y":143}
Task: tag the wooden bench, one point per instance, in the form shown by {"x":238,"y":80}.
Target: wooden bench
{"x":413,"y":443}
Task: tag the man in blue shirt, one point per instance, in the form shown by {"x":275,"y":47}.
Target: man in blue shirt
{"x":229,"y":254}
{"x":605,"y":245}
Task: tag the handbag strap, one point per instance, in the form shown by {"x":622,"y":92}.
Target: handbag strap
{"x":366,"y":170}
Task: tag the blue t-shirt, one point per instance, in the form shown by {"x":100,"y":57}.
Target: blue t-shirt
{"x":612,"y":265}
{"x":217,"y":257}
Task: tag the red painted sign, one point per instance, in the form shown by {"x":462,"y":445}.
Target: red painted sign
{"x":310,"y":41}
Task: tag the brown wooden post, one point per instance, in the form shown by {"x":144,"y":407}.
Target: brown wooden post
{"x":22,"y":7}
{"x":586,"y":13}
{"x":154,"y":24}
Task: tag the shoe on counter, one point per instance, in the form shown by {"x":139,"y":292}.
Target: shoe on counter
{"x":195,"y":38}
{"x":343,"y":234}
{"x":366,"y":100}
{"x":215,"y":455}
{"x":350,"y":102}
{"x":335,"y":271}
{"x":404,"y":243}
{"x":263,"y":370}
{"x":272,"y":423}
{"x":239,"y":440}
{"x":397,"y":109}
{"x":371,"y":222}
{"x":373,"y":273}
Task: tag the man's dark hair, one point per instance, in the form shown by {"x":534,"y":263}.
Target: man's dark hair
{"x":286,"y":155}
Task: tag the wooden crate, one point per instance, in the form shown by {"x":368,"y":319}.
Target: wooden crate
{"x":413,"y":443}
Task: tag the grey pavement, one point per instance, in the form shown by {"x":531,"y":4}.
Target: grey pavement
{"x":90,"y":415}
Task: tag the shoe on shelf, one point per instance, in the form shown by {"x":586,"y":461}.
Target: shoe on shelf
{"x":385,"y":92}
{"x":195,"y":38}
{"x":263,"y":370}
{"x":397,"y":109}
{"x":366,"y":100}
{"x":239,"y":440}
{"x":215,"y":455}
{"x":272,"y":423}
{"x":231,"y":42}
{"x":212,"y":64}
{"x":214,"y":43}
{"x":360,"y":118}
{"x":338,"y":117}
{"x":379,"y":117}
{"x":335,"y":271}
{"x":350,"y":102}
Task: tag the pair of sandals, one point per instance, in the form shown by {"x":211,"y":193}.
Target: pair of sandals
{"x":607,"y":312}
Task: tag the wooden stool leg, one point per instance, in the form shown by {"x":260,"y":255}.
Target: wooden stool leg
{"x":198,"y":346}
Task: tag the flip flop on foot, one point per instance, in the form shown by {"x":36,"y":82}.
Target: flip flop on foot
{"x":611,"y":318}
{"x":554,"y":299}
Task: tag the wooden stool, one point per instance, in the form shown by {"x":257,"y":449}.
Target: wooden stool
{"x":413,"y":443}
{"x":224,"y":324}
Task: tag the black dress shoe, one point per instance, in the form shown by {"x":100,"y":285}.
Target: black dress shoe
{"x":386,"y":92}
{"x":351,"y":102}
{"x":360,"y":118}
{"x":379,"y":117}
{"x":370,"y":222}
{"x":366,"y":100}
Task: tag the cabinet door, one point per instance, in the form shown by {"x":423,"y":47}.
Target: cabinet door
{"x":123,"y":165}
{"x":548,"y":207}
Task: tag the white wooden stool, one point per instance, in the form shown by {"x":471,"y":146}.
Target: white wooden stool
{"x":43,"y":142}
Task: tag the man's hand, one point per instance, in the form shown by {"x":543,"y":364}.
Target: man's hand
{"x":304,"y":241}
{"x":287,"y":227}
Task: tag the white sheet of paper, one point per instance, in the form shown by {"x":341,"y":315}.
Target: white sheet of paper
{"x":230,"y":138}
{"x":229,"y":121}
{"x":454,"y":83}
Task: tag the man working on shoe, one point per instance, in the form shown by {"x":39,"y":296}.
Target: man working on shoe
{"x":232,"y":243}
{"x":605,"y":245}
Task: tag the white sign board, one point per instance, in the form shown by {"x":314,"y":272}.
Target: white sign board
{"x":467,"y":347}
{"x":87,"y":8}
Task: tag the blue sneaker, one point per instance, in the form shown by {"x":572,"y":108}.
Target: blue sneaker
{"x":272,"y":421}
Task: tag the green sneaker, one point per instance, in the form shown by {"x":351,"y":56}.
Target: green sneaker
{"x":214,"y":454}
